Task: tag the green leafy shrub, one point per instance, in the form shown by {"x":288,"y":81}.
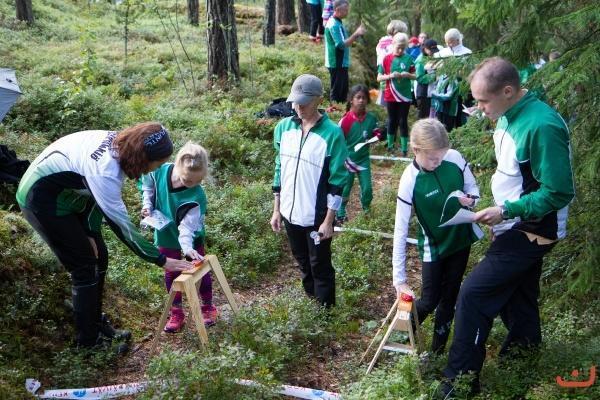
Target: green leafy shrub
{"x":363,"y":262}
{"x":285,"y":329}
{"x":398,"y":379}
{"x":133,"y":277}
{"x":78,"y":368}
{"x":475,"y":142}
{"x":234,"y":153}
{"x":238,"y":231}
{"x":210,"y":375}
{"x":55,"y":108}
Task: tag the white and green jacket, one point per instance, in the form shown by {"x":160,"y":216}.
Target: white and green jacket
{"x":427,"y":192}
{"x":534,"y":178}
{"x":309,"y":170}
{"x":78,"y":171}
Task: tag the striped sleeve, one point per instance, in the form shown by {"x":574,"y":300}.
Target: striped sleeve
{"x":276,"y":145}
{"x":106,"y":191}
{"x":403,"y":213}
{"x":337,"y":171}
{"x":550,"y":154}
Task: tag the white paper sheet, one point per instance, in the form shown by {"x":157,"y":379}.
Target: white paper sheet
{"x":359,"y":146}
{"x":463,"y":216}
{"x":156,"y":220}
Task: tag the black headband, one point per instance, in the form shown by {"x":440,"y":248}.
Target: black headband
{"x":158,"y":145}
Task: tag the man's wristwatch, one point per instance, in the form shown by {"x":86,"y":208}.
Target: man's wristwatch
{"x":504,"y":212}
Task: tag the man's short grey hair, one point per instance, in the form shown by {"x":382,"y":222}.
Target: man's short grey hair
{"x":497,"y":73}
{"x":453,"y":34}
{"x":396,"y":26}
{"x":340,"y":3}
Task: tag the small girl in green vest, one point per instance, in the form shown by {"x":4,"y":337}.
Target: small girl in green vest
{"x":436,"y":185}
{"x":358,"y":125}
{"x":174,"y":189}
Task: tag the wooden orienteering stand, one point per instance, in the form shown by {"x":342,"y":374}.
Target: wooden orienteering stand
{"x":187,"y":283}
{"x":401,"y":322}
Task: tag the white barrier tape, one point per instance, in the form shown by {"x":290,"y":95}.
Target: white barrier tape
{"x":114,"y":391}
{"x":298,"y":392}
{"x":372,"y":233}
{"x":96,"y":393}
{"x":390,"y":158}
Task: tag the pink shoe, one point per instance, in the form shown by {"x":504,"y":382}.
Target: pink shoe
{"x":209,"y":314}
{"x":176,"y":320}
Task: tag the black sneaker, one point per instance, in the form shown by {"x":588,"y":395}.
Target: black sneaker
{"x":110,"y":332}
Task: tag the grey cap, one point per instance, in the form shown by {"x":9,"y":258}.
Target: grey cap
{"x":305,"y":88}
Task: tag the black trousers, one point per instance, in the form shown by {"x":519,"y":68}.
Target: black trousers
{"x":440,"y":285}
{"x":316,"y":20}
{"x":338,"y":79}
{"x":318,"y":275}
{"x":423,"y":106}
{"x":506,"y":283}
{"x":68,"y":239}
{"x":397,"y":117}
{"x":449,"y":121}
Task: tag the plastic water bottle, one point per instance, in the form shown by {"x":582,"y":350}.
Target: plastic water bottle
{"x":314,"y":235}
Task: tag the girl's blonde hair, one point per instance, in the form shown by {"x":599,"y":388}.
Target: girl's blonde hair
{"x":192,"y":158}
{"x":400,"y":38}
{"x":429,"y":134}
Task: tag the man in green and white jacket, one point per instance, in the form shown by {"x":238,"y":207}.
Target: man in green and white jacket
{"x":532,"y":188}
{"x":337,"y":50}
{"x":308,"y":181}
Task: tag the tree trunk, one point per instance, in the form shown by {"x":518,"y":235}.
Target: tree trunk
{"x":193,"y":12}
{"x":24,"y":11}
{"x":417,"y":23}
{"x":285,"y":12}
{"x":269,"y":24}
{"x":223,"y":56}
{"x":303,"y":17}
{"x":126,"y":28}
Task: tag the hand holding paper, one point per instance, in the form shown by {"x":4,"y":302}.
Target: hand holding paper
{"x":156,"y":220}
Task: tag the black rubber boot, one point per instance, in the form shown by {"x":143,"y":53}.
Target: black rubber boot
{"x":85,"y":303}
{"x":105,"y":343}
{"x":110,"y":332}
{"x":104,"y":324}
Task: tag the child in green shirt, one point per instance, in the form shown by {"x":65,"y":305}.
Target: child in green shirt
{"x":174,"y":189}
{"x":358,"y":125}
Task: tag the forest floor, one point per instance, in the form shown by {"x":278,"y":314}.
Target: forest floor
{"x":324,"y":372}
